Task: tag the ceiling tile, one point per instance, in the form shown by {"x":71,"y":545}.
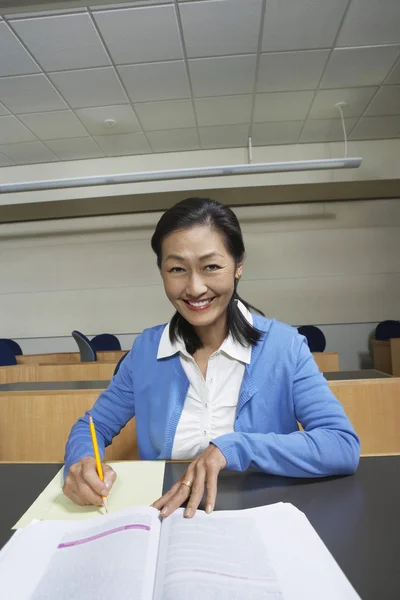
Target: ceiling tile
{"x":90,"y":87}
{"x":301,"y":24}
{"x":63,"y":42}
{"x":224,"y":136}
{"x":217,"y":28}
{"x":53,"y":125}
{"x":3,"y":110}
{"x":29,"y":93}
{"x":93,"y":119}
{"x":386,"y":102}
{"x":325,"y":130}
{"x":12,"y":131}
{"x":75,"y":149}
{"x":371,"y":22}
{"x":376,"y":128}
{"x":394,"y":76}
{"x":282,"y":106}
{"x":127,"y":143}
{"x":284,"y":71}
{"x":269,"y":134}
{"x":223,"y":110}
{"x":156,"y":81}
{"x":173,"y":140}
{"x":42,"y":13}
{"x":28,"y":153}
{"x":347,"y":67}
{"x":138,"y":35}
{"x":164,"y":115}
{"x":5,"y":162}
{"x":135,"y":3}
{"x":14,"y":59}
{"x":223,"y":76}
{"x":357,"y":99}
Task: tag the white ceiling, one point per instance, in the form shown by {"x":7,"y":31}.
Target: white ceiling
{"x":179,"y":75}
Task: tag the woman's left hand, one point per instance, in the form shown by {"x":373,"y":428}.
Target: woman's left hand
{"x":201,"y":473}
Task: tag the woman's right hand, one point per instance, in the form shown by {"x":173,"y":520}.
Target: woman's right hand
{"x":83,"y":485}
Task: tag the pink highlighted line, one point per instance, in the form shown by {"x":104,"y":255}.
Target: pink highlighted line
{"x":230,"y":575}
{"x":103,"y":534}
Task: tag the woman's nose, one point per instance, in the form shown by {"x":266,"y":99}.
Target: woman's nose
{"x":195,"y":286}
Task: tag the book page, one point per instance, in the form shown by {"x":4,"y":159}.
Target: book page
{"x":265,"y":553}
{"x":110,"y":557}
{"x":206,"y":558}
{"x":139,"y":483}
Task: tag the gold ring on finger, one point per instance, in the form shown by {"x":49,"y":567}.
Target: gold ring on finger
{"x":187,"y":482}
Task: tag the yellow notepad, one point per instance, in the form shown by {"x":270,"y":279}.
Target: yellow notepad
{"x":139,"y":483}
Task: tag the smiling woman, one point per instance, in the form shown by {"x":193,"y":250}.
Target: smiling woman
{"x":219,"y":384}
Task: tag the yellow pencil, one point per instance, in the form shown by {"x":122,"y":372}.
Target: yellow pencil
{"x":97,"y":456}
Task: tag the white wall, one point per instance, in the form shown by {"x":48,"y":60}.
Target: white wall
{"x":332,"y":264}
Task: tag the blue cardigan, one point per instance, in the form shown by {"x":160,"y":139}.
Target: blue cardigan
{"x":281,"y":387}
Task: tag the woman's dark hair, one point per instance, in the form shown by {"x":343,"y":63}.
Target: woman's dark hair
{"x":193,"y":212}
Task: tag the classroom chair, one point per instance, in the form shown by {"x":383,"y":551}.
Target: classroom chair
{"x":105,"y":341}
{"x":86,"y":349}
{"x":14,"y":347}
{"x":315,"y":337}
{"x":7,"y":356}
{"x":386,"y":330}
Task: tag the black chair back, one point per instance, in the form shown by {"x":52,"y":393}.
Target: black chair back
{"x":315,"y":337}
{"x":88,"y":353}
{"x":7,"y":356}
{"x":105,"y":341}
{"x":14,"y":347}
{"x":386,"y":330}
{"x":119,"y":363}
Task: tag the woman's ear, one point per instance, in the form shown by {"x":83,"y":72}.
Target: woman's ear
{"x":238,"y":273}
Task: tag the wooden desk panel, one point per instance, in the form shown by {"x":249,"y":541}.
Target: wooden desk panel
{"x":57,"y":372}
{"x":327,"y":361}
{"x":64,"y":358}
{"x":373,"y":407}
{"x":35,"y":427}
{"x":395,"y":356}
{"x":381,"y":356}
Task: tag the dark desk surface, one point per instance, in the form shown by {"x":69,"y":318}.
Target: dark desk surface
{"x":357,"y":517}
{"x":44,"y":386}
{"x":365,"y":374}
{"x":41,"y":386}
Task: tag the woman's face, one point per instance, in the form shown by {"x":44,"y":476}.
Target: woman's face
{"x":198,"y":274}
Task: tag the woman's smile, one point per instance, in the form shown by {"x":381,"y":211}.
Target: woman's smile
{"x":199,"y":305}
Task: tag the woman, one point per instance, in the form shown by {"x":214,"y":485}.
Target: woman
{"x":218,"y":384}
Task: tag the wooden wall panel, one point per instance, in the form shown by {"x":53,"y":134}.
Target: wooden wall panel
{"x":327,"y":361}
{"x":57,"y":372}
{"x":35,"y":427}
{"x":381,"y":356}
{"x":64,"y":358}
{"x":395,"y":356}
{"x":373,"y":407}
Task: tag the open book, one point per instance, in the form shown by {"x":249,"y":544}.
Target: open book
{"x":267,"y":553}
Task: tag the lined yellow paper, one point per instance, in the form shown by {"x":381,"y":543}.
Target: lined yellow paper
{"x":139,"y":483}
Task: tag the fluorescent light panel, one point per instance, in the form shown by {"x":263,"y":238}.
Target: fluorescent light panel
{"x":194,"y":173}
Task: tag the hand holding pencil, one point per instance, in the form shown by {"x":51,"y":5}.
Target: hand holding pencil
{"x":97,"y":456}
{"x":89,"y":481}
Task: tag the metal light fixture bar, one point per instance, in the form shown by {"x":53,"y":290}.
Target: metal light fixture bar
{"x":192,"y":173}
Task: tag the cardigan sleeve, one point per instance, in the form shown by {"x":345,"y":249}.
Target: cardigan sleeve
{"x":327,"y":446}
{"x":111,"y":412}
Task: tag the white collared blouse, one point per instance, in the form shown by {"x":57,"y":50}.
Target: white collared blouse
{"x":210,"y":404}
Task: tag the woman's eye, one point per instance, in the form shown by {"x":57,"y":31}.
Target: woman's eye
{"x":212,"y":267}
{"x":176,"y":270}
